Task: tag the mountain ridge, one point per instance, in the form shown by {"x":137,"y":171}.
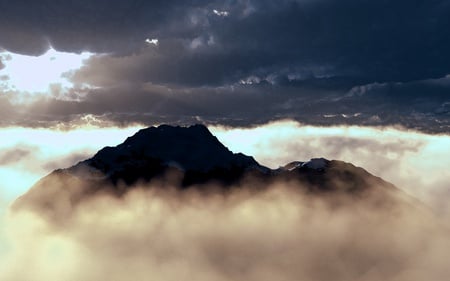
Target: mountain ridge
{"x":190,"y":157}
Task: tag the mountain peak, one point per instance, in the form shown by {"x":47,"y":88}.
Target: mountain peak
{"x":186,"y":149}
{"x":168,"y":131}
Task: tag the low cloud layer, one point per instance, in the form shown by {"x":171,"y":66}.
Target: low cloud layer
{"x":415,"y":162}
{"x":274,"y":234}
{"x":398,"y":156}
{"x":26,"y":155}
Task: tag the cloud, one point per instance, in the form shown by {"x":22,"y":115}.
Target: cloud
{"x":29,"y":154}
{"x":396,"y":155}
{"x":128,"y":103}
{"x":7,"y":110}
{"x":221,"y":13}
{"x":399,"y":156}
{"x":305,"y":60}
{"x":82,"y":25}
{"x":13,"y":155}
{"x":67,"y":160}
{"x":32,"y":158}
{"x":23,"y":164}
{"x":274,"y":234}
{"x":378,"y":43}
{"x":152,"y":41}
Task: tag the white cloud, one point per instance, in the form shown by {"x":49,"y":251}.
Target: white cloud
{"x":221,"y":13}
{"x":416,"y":162}
{"x":152,"y":41}
{"x":250,"y":80}
{"x":170,"y":236}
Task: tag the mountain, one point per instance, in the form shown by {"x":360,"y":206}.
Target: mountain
{"x":189,"y":157}
{"x":153,"y":152}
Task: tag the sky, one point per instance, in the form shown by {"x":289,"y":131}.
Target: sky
{"x":236,"y":63}
{"x":367,"y":82}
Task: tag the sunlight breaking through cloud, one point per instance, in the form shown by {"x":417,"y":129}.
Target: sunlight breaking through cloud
{"x":36,"y":74}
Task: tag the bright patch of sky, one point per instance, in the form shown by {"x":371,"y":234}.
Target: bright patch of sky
{"x":36,"y":74}
{"x":46,"y":146}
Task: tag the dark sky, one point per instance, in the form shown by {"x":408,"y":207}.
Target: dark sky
{"x":242,"y":62}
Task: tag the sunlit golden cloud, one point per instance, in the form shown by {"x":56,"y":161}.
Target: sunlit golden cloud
{"x":276,"y":234}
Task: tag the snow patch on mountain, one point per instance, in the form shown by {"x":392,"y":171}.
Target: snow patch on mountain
{"x":316,"y":164}
{"x":292,"y":166}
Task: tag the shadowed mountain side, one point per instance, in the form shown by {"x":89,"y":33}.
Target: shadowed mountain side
{"x":188,"y":158}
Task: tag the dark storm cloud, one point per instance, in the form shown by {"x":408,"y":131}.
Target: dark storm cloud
{"x":245,"y":62}
{"x":366,"y":40}
{"x":247,"y":105}
{"x":378,"y":40}
{"x":99,"y":26}
{"x":241,"y":105}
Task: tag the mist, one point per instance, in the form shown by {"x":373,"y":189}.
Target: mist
{"x":26,"y":155}
{"x":277,"y":233}
{"x":415,"y":162}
